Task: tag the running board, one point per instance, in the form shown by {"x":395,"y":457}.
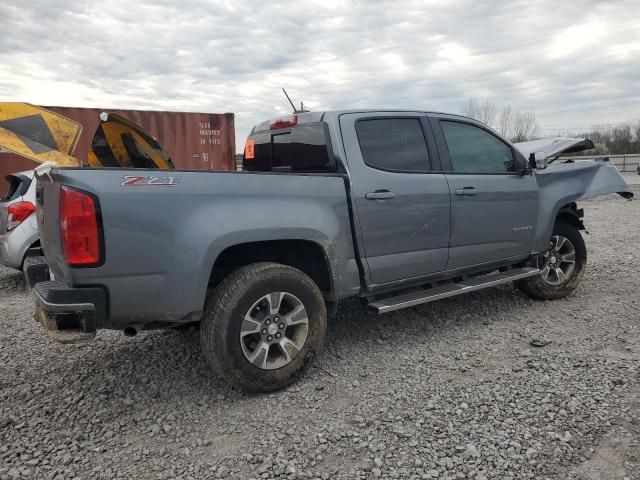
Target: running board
{"x":414,"y":298}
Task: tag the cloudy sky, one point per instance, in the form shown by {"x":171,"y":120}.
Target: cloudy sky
{"x":574,"y":64}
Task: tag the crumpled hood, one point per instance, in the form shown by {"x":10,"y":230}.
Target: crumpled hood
{"x":554,"y":146}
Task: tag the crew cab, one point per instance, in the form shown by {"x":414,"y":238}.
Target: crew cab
{"x":399,"y":208}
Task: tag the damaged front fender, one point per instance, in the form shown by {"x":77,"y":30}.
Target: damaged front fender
{"x":562,"y":184}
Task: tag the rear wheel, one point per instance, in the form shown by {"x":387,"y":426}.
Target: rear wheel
{"x":263,"y":325}
{"x":562,"y":266}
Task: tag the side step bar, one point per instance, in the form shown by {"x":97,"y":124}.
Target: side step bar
{"x":419,"y":297}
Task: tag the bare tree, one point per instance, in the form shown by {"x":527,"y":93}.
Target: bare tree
{"x":613,"y":139}
{"x":516,"y":126}
{"x":504,"y":121}
{"x":485,"y":112}
{"x":523,"y":127}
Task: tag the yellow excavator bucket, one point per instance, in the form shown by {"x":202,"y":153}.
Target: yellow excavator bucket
{"x":38,"y":134}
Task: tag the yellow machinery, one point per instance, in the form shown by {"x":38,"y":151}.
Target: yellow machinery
{"x":119,"y":142}
{"x":44,"y":136}
{"x":38,"y":134}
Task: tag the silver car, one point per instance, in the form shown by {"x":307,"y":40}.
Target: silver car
{"x":18,"y":226}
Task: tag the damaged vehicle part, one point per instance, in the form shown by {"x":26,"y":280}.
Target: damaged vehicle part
{"x":553,"y":147}
{"x":564,"y":184}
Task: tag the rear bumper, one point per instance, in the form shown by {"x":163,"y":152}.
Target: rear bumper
{"x":69,"y":315}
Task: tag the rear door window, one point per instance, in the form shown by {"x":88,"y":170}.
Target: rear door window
{"x":393,"y":144}
{"x":474,"y":150}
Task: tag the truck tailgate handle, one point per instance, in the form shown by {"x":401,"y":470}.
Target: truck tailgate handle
{"x":379,"y":195}
{"x":466,"y":191}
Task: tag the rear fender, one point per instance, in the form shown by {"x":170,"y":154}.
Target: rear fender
{"x":562,"y":184}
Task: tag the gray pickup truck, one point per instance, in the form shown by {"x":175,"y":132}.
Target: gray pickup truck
{"x":399,"y":208}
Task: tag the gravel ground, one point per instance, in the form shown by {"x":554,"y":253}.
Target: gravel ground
{"x":450,"y":390}
{"x":632,"y":178}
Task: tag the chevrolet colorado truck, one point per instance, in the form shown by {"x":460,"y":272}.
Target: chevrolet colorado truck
{"x":399,"y":208}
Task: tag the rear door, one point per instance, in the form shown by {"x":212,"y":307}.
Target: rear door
{"x":401,"y":203}
{"x":493,"y":207}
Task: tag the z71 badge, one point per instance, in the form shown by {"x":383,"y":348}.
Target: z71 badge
{"x":146,"y":181}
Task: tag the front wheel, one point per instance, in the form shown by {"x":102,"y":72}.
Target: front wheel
{"x":562,"y":266}
{"x":263,"y":325}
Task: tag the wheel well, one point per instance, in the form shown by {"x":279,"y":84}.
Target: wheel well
{"x":35,"y":244}
{"x":307,"y":256}
{"x":572,"y":215}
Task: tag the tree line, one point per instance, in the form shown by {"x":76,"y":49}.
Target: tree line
{"x":520,"y":126}
{"x":513,"y":124}
{"x":613,"y":139}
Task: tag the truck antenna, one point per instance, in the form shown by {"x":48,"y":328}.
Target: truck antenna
{"x":295,"y":110}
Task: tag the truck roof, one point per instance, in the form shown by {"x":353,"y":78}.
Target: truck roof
{"x":318,"y":116}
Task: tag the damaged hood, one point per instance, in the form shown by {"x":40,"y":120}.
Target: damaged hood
{"x":554,"y":146}
{"x":44,"y":136}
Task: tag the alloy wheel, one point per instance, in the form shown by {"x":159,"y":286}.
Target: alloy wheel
{"x":559,"y":261}
{"x":274,"y":330}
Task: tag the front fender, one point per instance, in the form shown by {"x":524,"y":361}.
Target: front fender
{"x":562,"y":184}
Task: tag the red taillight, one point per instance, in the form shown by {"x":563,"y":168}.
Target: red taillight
{"x":79,"y":227}
{"x":283,"y":122}
{"x":18,"y":213}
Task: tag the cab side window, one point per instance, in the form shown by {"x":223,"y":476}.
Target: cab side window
{"x":472,"y":149}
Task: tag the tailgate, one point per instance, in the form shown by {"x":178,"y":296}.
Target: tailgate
{"x":48,"y":216}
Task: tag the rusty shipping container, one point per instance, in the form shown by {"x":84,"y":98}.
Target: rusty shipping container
{"x":195,"y":141}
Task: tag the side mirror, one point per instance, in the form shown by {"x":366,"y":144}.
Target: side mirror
{"x":538,"y":160}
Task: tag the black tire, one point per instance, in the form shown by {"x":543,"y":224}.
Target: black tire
{"x":537,"y":288}
{"x":227,"y":305}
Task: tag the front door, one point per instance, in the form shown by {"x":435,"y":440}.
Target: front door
{"x":401,"y":207}
{"x":493,"y":207}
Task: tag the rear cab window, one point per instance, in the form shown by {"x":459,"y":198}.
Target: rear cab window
{"x":302,"y":148}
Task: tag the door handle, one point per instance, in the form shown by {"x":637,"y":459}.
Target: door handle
{"x":379,"y":195}
{"x":466,"y":191}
